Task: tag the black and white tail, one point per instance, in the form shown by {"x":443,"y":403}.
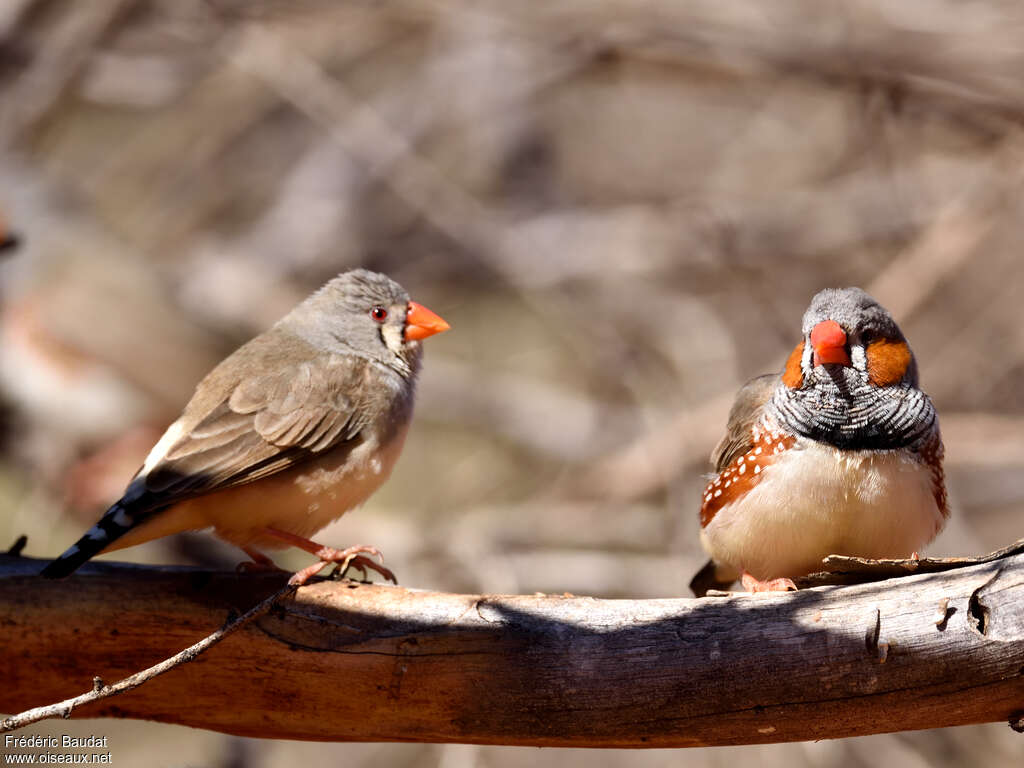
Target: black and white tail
{"x":113,"y":525}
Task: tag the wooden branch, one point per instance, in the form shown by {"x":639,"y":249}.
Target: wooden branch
{"x":344,"y":661}
{"x":101,"y":690}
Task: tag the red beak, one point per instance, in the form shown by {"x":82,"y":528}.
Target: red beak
{"x":829,"y":342}
{"x":420,"y":322}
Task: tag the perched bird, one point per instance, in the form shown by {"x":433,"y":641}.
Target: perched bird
{"x":841,"y":454}
{"x":296,"y":427}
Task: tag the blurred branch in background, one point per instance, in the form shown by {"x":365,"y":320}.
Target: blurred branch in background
{"x":623,"y":209}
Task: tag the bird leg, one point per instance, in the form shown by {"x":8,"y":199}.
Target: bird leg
{"x":753,"y":584}
{"x":260,"y":562}
{"x":352,"y":556}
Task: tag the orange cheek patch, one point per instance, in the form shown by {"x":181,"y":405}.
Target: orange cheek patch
{"x":887,"y":361}
{"x":742,"y":474}
{"x":793,"y":376}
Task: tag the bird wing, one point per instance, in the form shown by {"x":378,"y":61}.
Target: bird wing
{"x":262,"y":424}
{"x":743,"y":415}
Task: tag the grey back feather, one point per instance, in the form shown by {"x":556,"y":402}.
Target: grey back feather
{"x":277,"y":401}
{"x":745,"y":412}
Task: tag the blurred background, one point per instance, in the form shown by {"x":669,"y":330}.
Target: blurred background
{"x":622,"y":208}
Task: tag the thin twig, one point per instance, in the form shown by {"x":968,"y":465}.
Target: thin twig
{"x":101,"y":691}
{"x":18,"y":546}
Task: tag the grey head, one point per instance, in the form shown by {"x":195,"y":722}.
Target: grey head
{"x":362,"y":313}
{"x":867,"y":327}
{"x":852,"y":381}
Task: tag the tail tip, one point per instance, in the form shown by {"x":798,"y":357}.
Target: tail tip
{"x":110,"y":527}
{"x":63,"y":566}
{"x":54,"y":570}
{"x":707,"y":578}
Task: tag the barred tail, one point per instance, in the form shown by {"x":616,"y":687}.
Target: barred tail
{"x":113,"y":525}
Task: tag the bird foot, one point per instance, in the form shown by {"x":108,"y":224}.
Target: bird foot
{"x":345,"y":559}
{"x":327,"y":555}
{"x":753,"y":584}
{"x":362,"y":563}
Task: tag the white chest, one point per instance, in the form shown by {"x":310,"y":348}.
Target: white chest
{"x":815,"y":500}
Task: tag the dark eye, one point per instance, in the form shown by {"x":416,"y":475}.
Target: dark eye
{"x":379,"y":314}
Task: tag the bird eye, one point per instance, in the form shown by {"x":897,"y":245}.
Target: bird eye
{"x":379,"y":314}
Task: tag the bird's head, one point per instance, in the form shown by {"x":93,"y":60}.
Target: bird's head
{"x":369,"y":314}
{"x":848,"y":336}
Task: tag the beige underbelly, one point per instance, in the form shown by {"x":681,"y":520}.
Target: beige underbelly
{"x":301,"y":500}
{"x":815,"y":501}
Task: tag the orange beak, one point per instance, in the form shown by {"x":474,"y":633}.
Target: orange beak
{"x":420,"y":322}
{"x":829,"y":342}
